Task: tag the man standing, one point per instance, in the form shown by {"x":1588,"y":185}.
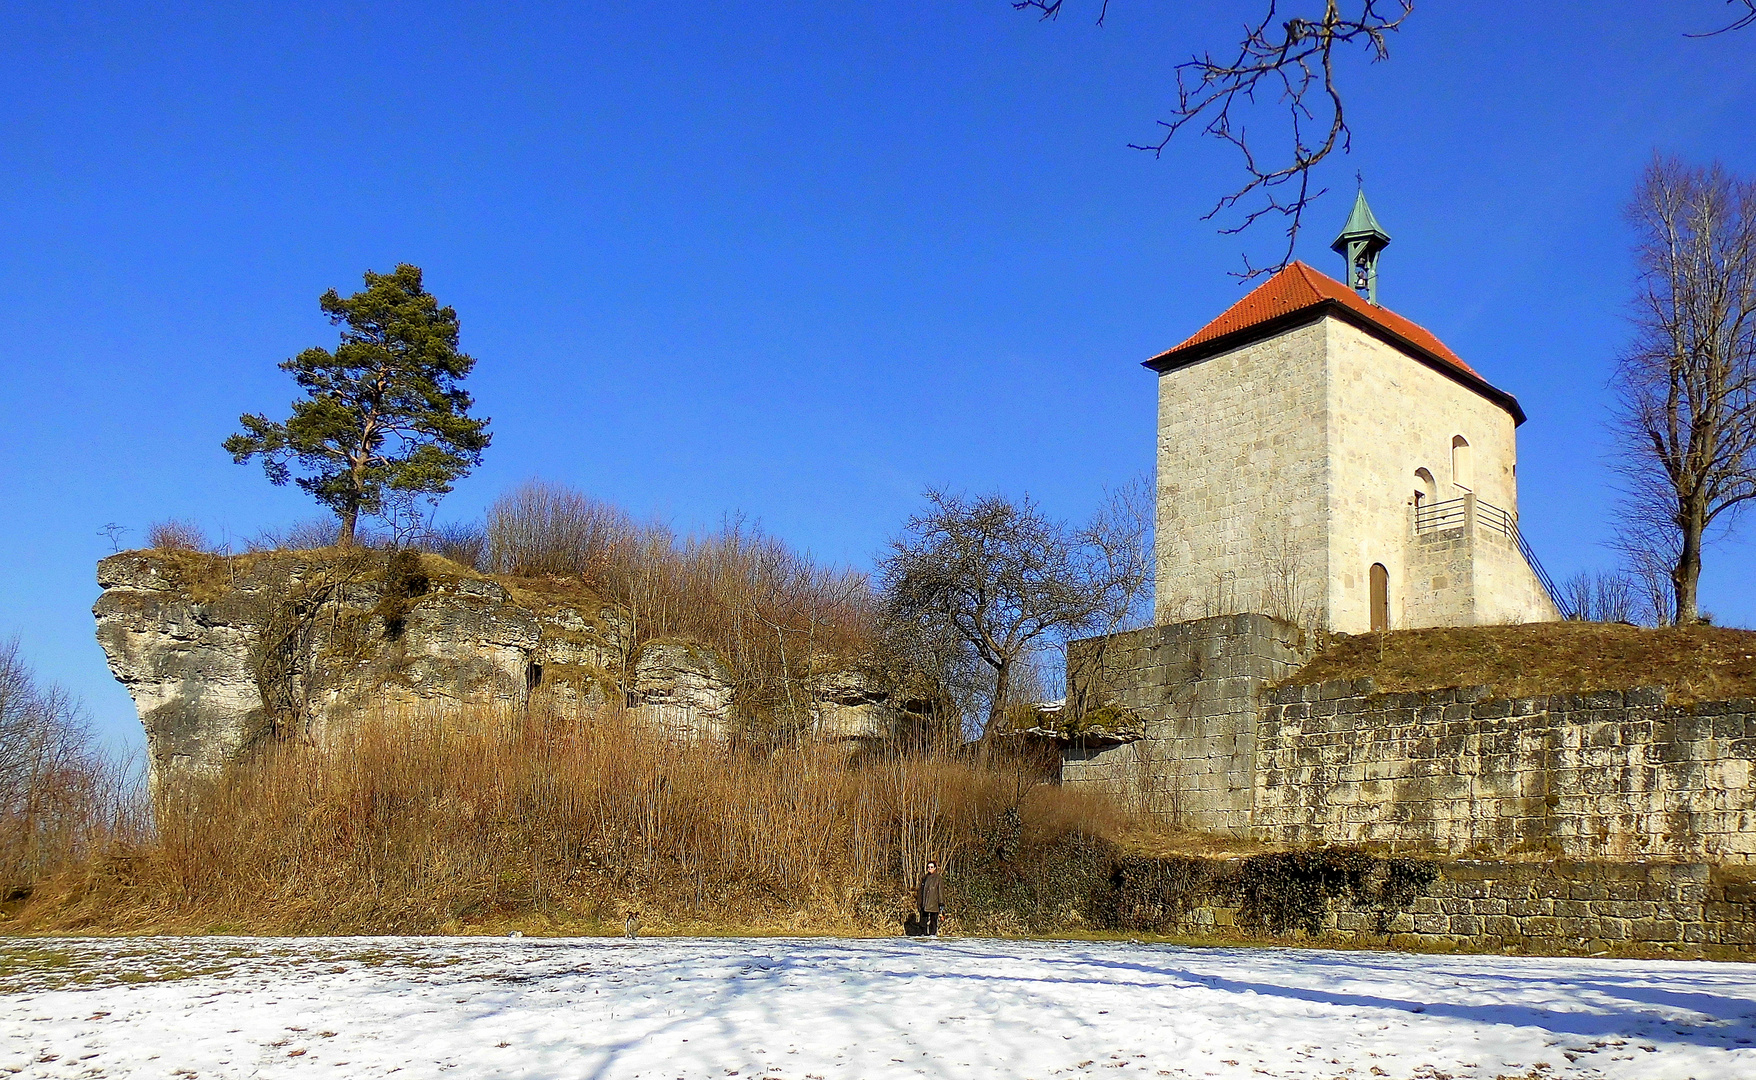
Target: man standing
{"x":932,"y":900}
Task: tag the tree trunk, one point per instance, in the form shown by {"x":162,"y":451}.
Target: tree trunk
{"x":1686,"y":577}
{"x":344,"y":537}
{"x":997,"y":708}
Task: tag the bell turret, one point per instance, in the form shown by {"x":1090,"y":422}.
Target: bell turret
{"x":1360,"y":242}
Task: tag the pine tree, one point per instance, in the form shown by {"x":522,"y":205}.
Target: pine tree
{"x":383,"y":415}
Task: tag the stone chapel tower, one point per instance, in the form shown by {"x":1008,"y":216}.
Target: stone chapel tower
{"x":1325,"y":460}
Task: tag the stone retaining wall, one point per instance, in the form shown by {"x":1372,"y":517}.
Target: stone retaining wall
{"x":1562,"y":907}
{"x":1195,"y":688}
{"x":1600,"y":775}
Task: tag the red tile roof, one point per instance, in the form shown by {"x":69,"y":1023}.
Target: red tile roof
{"x":1299,"y":287}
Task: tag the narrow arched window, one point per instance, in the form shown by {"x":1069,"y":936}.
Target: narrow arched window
{"x":1426,"y":491}
{"x":1380,"y":597}
{"x":1460,"y":466}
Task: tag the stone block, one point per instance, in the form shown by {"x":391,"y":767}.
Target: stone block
{"x":1464,"y":925}
{"x":1655,"y":930}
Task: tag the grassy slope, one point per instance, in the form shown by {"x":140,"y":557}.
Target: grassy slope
{"x":1696,"y":663}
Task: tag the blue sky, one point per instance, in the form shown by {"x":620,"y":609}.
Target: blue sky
{"x":798,"y":260}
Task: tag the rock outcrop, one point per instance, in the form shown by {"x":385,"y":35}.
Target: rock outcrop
{"x":222,"y":654}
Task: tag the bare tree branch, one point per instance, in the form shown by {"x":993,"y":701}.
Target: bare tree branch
{"x":1285,"y":64}
{"x":1292,"y":63}
{"x":1746,"y":19}
{"x":1051,"y":9}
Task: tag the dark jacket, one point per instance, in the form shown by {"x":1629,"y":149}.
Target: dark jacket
{"x":931,"y":898}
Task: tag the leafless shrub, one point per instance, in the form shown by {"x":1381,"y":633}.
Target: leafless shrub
{"x":543,"y":529}
{"x":1602,"y":597}
{"x":403,"y":824}
{"x":1290,"y":593}
{"x":778,"y":619}
{"x":176,"y":534}
{"x":1649,"y":558}
{"x":309,"y":534}
{"x":464,"y":543}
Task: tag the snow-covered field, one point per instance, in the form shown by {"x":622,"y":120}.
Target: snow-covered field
{"x":812,"y":1009}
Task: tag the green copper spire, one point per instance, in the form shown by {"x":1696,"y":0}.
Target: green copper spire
{"x":1360,"y":241}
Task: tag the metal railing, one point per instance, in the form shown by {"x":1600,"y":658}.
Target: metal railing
{"x":1450,"y":514}
{"x":1455,"y":514}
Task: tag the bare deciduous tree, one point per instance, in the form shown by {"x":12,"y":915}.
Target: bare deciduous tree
{"x":1001,"y":578}
{"x":1687,"y":383}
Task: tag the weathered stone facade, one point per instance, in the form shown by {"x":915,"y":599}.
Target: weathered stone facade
{"x":1243,"y":466}
{"x":1289,"y":464}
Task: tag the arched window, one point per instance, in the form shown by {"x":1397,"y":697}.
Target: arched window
{"x":1426,"y":491}
{"x":1460,"y":468}
{"x":1380,"y":597}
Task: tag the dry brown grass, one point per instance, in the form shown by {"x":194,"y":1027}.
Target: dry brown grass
{"x":1695,"y":663}
{"x":409,"y":824}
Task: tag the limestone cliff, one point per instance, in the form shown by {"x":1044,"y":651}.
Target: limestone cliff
{"x":222,"y":654}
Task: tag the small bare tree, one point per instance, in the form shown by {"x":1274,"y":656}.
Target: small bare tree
{"x":1602,"y":597}
{"x":1000,"y":577}
{"x":1687,"y":382}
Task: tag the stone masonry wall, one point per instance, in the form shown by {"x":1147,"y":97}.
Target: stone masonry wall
{"x":1565,"y":907}
{"x":1604,"y":775}
{"x":1195,"y":689}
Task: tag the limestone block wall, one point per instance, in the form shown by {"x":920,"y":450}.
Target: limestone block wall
{"x":1195,"y":688}
{"x":1439,"y":579}
{"x":1242,"y":471}
{"x":1603,"y":775}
